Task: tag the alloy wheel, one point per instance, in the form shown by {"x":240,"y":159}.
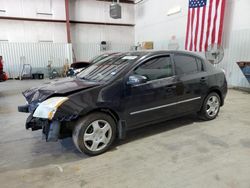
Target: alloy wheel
{"x":97,"y":135}
{"x":213,"y":104}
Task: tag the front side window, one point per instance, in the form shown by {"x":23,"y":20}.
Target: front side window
{"x":155,"y":68}
{"x":185,"y":64}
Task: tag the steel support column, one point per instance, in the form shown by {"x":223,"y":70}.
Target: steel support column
{"x":67,"y":20}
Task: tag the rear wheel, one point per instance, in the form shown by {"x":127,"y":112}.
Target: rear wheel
{"x":94,"y":133}
{"x":211,"y":107}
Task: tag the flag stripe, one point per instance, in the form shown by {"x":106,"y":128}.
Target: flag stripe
{"x":221,"y":21}
{"x":205,"y":27}
{"x":212,"y":22}
{"x":192,"y":25}
{"x":187,"y":31}
{"x":202,"y":27}
{"x":218,"y":23}
{"x":215,"y":20}
{"x":209,"y":23}
{"x":196,"y":30}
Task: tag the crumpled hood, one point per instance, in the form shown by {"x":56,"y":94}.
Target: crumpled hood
{"x":60,"y":87}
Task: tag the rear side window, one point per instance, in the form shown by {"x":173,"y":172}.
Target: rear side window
{"x":199,"y":64}
{"x":185,"y":64}
{"x":156,"y":68}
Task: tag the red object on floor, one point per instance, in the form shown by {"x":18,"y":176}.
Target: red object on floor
{"x":1,"y":65}
{"x":5,"y":76}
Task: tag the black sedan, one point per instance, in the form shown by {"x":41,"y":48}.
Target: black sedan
{"x":126,"y":91}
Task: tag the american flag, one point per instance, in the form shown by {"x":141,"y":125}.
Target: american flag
{"x":204,"y":24}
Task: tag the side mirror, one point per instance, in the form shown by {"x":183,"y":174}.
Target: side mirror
{"x":136,"y":79}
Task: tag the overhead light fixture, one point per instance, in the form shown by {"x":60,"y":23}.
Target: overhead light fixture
{"x":174,"y":10}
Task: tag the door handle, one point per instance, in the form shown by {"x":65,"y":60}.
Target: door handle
{"x":203,"y":79}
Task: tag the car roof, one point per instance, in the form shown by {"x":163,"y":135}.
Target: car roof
{"x":149,"y":53}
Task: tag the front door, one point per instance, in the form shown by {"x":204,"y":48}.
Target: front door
{"x":151,"y":101}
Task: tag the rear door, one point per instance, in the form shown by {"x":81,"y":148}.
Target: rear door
{"x":192,"y":76}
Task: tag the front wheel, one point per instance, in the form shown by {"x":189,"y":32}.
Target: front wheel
{"x":94,"y":133}
{"x":211,"y":107}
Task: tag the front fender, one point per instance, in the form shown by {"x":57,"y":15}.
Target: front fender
{"x":70,"y":110}
{"x":80,"y":104}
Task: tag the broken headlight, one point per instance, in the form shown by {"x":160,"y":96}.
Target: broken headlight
{"x":47,"y":108}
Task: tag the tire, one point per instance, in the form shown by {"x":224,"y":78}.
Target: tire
{"x":94,"y":133}
{"x":211,"y":107}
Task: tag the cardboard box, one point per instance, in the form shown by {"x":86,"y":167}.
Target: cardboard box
{"x":148,"y":45}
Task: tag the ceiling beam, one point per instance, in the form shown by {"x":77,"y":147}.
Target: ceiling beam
{"x":101,"y":23}
{"x":64,"y":21}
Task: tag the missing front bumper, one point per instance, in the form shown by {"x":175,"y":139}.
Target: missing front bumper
{"x":50,"y":129}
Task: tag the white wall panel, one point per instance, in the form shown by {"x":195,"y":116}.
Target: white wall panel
{"x":80,"y":10}
{"x":87,"y":38}
{"x":241,"y":14}
{"x":152,"y":22}
{"x":82,"y":33}
{"x":31,"y":8}
{"x":98,"y":11}
{"x":86,"y":51}
{"x":25,"y":31}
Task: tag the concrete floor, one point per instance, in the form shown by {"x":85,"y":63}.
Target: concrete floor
{"x":180,"y":153}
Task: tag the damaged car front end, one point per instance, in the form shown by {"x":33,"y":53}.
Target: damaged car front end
{"x":50,"y":108}
{"x":86,"y":107}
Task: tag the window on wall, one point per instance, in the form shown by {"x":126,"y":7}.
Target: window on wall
{"x":185,"y":64}
{"x":156,"y":68}
{"x":44,"y":7}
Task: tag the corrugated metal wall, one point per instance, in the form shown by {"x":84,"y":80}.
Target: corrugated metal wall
{"x":38,"y":55}
{"x":238,"y":49}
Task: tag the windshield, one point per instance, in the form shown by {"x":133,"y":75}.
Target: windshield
{"x":98,"y":58}
{"x":106,"y":69}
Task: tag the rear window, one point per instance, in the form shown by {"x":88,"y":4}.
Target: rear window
{"x":199,"y":64}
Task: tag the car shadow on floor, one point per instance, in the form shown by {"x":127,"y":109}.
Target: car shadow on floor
{"x":158,"y":128}
{"x":64,"y":151}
